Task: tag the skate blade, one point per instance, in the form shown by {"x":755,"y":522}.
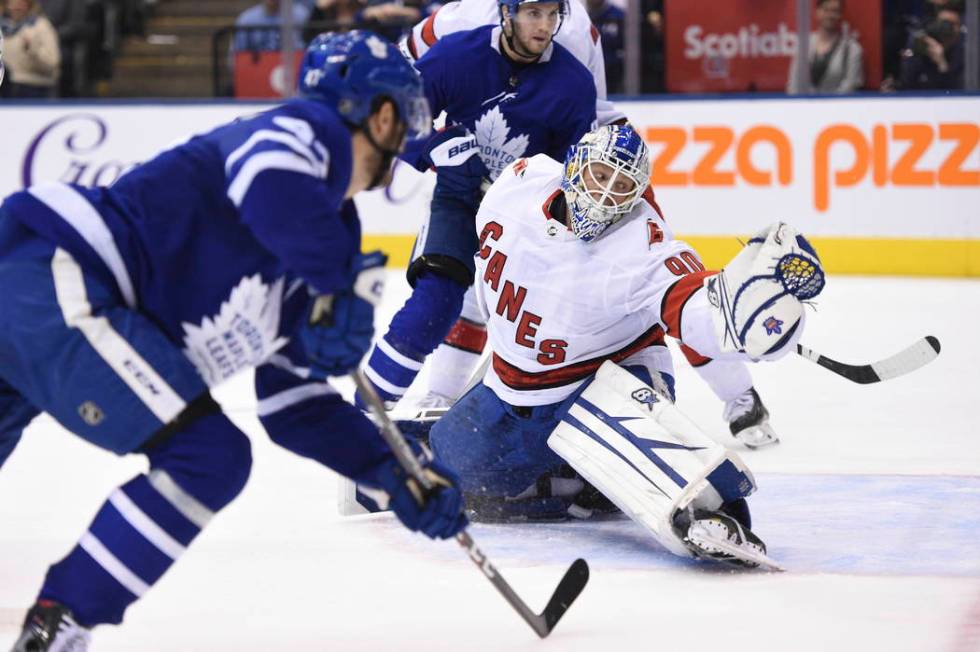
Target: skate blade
{"x":417,"y":413}
{"x":755,"y":437}
{"x":759,"y":560}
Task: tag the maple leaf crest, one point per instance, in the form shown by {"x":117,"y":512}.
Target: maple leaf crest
{"x":244,"y":333}
{"x":496,"y":151}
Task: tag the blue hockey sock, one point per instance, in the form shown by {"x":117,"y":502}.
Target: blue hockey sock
{"x":415,"y":331}
{"x":147,"y":523}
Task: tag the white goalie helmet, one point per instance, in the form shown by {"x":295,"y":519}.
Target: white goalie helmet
{"x":1,"y":57}
{"x":605,"y":175}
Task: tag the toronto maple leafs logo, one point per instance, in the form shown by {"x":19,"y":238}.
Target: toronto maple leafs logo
{"x":773,"y":325}
{"x":645,"y":396}
{"x":497,"y":150}
{"x":244,"y":333}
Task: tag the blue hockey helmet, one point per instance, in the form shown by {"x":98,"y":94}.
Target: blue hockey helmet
{"x":350,"y":70}
{"x":513,"y":5}
{"x":605,"y":175}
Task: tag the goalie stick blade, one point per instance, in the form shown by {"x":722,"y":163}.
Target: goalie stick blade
{"x":576,"y":577}
{"x":918,"y":355}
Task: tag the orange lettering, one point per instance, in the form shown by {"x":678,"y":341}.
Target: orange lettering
{"x":705,"y":172}
{"x":951,"y":173}
{"x":784,"y":158}
{"x":904,"y":173}
{"x":879,"y":163}
{"x":821,"y":162}
{"x":673,"y":139}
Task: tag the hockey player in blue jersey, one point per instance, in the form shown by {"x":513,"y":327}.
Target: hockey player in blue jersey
{"x":123,"y":305}
{"x":508,"y":91}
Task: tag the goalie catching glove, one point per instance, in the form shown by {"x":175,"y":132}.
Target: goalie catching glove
{"x":757,"y":298}
{"x":436,"y":512}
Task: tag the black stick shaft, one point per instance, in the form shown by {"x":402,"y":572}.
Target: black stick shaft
{"x":574,"y":580}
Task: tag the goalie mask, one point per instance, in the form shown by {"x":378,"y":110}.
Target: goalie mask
{"x":605,"y":175}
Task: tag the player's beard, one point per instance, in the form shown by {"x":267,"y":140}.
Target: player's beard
{"x":387,"y":152}
{"x":518,"y":42}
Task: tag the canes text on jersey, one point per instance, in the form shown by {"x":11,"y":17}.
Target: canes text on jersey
{"x":510,"y":299}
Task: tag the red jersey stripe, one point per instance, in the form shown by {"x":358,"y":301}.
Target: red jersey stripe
{"x":517,"y":378}
{"x":650,"y":199}
{"x":467,"y":335}
{"x":675,"y":298}
{"x":695,"y":358}
{"x":429,"y":30}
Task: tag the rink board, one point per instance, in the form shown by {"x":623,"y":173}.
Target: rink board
{"x":882,"y":184}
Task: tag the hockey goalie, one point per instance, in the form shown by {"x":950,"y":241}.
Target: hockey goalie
{"x":581,"y":280}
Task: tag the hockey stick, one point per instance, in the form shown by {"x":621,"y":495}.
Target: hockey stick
{"x":571,"y":584}
{"x":918,"y":355}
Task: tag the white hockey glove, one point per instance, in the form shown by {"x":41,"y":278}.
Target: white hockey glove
{"x":757,"y":298}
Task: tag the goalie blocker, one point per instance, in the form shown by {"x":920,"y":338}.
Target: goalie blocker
{"x":643,"y":454}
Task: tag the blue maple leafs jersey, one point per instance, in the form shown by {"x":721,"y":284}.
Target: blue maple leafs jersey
{"x":209,"y":237}
{"x":513,"y":110}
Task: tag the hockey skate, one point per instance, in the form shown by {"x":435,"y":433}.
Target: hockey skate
{"x":50,"y":627}
{"x":748,"y":420}
{"x":719,"y":537}
{"x":428,"y":409}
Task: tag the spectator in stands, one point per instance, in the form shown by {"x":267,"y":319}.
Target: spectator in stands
{"x":330,"y":15}
{"x":391,"y":18}
{"x":836,"y":58}
{"x":77,"y":40}
{"x":934,"y":58}
{"x":610,"y":20}
{"x":31,"y":51}
{"x":900,"y":20}
{"x":652,"y":46}
{"x":266,"y":14}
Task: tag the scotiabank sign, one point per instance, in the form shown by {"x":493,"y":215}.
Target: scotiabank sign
{"x":747,"y":45}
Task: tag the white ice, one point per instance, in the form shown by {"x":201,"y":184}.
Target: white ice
{"x":872,"y":501}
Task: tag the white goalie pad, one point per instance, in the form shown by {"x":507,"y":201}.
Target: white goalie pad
{"x":757,"y":298}
{"x":642,"y":453}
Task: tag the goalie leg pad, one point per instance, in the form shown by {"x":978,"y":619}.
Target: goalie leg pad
{"x":642,"y":453}
{"x":757,"y":296}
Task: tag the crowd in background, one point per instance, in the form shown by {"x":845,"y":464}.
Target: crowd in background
{"x":66,"y":47}
{"x":63,"y":48}
{"x":922,"y":39}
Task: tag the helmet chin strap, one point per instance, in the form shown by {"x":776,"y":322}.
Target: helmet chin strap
{"x":387,"y":156}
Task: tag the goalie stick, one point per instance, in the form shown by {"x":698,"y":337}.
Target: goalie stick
{"x":571,"y":584}
{"x":918,"y":355}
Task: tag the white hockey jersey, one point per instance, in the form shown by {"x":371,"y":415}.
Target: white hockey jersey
{"x":557,"y":306}
{"x":577,"y":35}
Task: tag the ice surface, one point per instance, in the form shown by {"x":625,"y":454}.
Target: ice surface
{"x":872,"y":501}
